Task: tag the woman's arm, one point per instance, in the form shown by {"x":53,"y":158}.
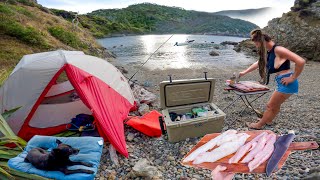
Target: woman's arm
{"x":251,"y":68}
{"x":299,"y":61}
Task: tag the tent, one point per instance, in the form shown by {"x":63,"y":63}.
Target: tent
{"x":46,"y":106}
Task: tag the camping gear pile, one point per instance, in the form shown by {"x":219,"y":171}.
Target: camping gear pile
{"x":192,"y":98}
{"x":142,"y":117}
{"x":143,"y":98}
{"x":82,"y":122}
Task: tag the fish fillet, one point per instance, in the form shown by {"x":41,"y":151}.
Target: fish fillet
{"x":253,"y":145}
{"x":245,"y":148}
{"x":209,"y":145}
{"x":264,"y":154}
{"x":225,"y":149}
{"x":261,"y":143}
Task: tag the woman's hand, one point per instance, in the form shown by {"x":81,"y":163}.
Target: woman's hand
{"x":287,"y":80}
{"x":218,"y":174}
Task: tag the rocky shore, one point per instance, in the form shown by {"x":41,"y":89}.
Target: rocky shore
{"x":156,"y":158}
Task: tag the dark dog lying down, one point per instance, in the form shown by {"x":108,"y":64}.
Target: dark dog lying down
{"x":56,"y":160}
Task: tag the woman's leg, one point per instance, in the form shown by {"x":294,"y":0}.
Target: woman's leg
{"x":273,"y":108}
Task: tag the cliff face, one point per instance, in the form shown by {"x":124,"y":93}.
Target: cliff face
{"x":299,"y":29}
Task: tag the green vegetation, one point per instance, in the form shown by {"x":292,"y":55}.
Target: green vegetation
{"x":24,"y":11}
{"x":5,"y":9}
{"x":27,"y":34}
{"x":151,"y":18}
{"x":66,"y":37}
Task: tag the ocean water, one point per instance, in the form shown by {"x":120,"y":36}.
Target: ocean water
{"x":162,"y":53}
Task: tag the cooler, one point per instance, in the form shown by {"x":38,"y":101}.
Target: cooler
{"x":181,"y":96}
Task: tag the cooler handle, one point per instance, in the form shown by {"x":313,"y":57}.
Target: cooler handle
{"x":170,"y":78}
{"x":205,"y":75}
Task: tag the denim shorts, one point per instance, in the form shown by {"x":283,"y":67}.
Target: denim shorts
{"x":291,"y":88}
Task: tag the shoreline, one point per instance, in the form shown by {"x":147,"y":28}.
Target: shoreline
{"x":154,"y":33}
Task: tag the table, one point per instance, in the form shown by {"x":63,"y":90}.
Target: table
{"x":244,"y":97}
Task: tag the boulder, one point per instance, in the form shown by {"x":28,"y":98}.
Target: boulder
{"x":214,"y":53}
{"x":143,"y":169}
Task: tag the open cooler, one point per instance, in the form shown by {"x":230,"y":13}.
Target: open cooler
{"x":184,"y":97}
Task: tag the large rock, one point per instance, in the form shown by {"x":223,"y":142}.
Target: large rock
{"x":307,"y":7}
{"x":246,"y":46}
{"x":143,"y":169}
{"x":299,"y":29}
{"x":213,"y":53}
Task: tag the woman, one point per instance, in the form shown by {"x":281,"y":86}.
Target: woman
{"x":274,"y":59}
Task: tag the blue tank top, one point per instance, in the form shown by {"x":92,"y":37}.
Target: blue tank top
{"x":270,"y":63}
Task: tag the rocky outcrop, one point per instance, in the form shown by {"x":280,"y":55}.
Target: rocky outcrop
{"x":299,"y":29}
{"x":307,"y":8}
{"x":246,"y":46}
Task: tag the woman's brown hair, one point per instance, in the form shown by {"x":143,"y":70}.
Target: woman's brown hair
{"x":258,"y":36}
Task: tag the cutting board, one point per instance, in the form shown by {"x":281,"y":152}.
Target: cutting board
{"x":243,"y":167}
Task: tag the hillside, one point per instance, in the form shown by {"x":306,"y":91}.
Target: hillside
{"x":259,"y":16}
{"x":27,"y":27}
{"x":152,"y":18}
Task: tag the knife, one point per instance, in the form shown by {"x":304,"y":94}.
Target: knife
{"x":280,"y":148}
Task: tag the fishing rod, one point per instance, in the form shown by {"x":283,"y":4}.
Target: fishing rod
{"x":150,"y":57}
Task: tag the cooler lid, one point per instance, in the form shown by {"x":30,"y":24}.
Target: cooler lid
{"x":186,"y":92}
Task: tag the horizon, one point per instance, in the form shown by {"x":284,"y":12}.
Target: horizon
{"x":82,"y":7}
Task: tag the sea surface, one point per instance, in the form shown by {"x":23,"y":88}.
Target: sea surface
{"x":161,"y":52}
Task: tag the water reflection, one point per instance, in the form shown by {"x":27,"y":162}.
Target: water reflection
{"x":137,"y":49}
{"x":148,"y":43}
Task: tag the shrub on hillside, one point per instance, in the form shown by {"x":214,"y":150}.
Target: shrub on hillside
{"x":24,"y":11}
{"x":5,"y":9}
{"x":26,"y":34}
{"x":66,"y":37}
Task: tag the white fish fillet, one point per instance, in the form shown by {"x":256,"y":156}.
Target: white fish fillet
{"x":245,"y":148}
{"x":253,"y":145}
{"x":228,"y":138}
{"x":261,"y":143}
{"x":209,"y":145}
{"x":264,"y":154}
{"x":225,"y":149}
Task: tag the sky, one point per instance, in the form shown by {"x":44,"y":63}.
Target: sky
{"x":85,"y":6}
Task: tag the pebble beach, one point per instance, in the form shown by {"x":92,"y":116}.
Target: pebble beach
{"x":162,"y":158}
